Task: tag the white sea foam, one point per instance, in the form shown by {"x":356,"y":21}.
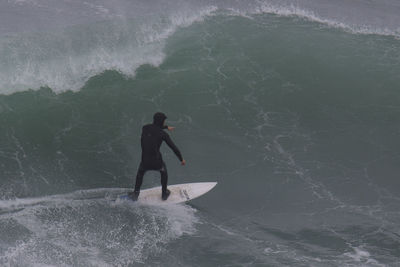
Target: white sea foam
{"x":8,"y":205}
{"x":81,"y":228}
{"x":361,"y":255}
{"x":296,"y":10}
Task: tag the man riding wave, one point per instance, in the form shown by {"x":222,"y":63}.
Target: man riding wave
{"x":152,"y":137}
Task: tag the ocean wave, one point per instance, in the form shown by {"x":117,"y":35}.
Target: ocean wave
{"x":66,"y":59}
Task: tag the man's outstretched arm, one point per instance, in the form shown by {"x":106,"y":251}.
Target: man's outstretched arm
{"x":174,"y":148}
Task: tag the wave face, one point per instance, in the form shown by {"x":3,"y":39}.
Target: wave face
{"x":292,"y":107}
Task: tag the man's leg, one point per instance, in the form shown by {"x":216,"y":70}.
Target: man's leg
{"x":164,"y":181}
{"x":139,"y":179}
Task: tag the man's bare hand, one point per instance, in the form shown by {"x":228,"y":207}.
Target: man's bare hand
{"x":183,"y":162}
{"x":170,"y":128}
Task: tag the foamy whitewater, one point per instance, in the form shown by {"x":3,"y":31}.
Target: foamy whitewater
{"x":293,"y":107}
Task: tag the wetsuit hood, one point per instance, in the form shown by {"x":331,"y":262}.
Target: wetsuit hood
{"x":159,"y":118}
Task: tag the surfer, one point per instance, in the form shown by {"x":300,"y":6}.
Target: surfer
{"x":152,"y":137}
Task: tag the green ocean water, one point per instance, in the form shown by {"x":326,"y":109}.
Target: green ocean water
{"x":297,"y":121}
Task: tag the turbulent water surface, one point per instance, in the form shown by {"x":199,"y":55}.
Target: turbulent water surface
{"x":293,"y":107}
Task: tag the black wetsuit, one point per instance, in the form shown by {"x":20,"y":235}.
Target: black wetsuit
{"x":152,"y":137}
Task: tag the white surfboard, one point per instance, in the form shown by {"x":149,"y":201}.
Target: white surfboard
{"x":179,"y":193}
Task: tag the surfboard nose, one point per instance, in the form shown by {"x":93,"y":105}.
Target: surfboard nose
{"x":199,"y":189}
